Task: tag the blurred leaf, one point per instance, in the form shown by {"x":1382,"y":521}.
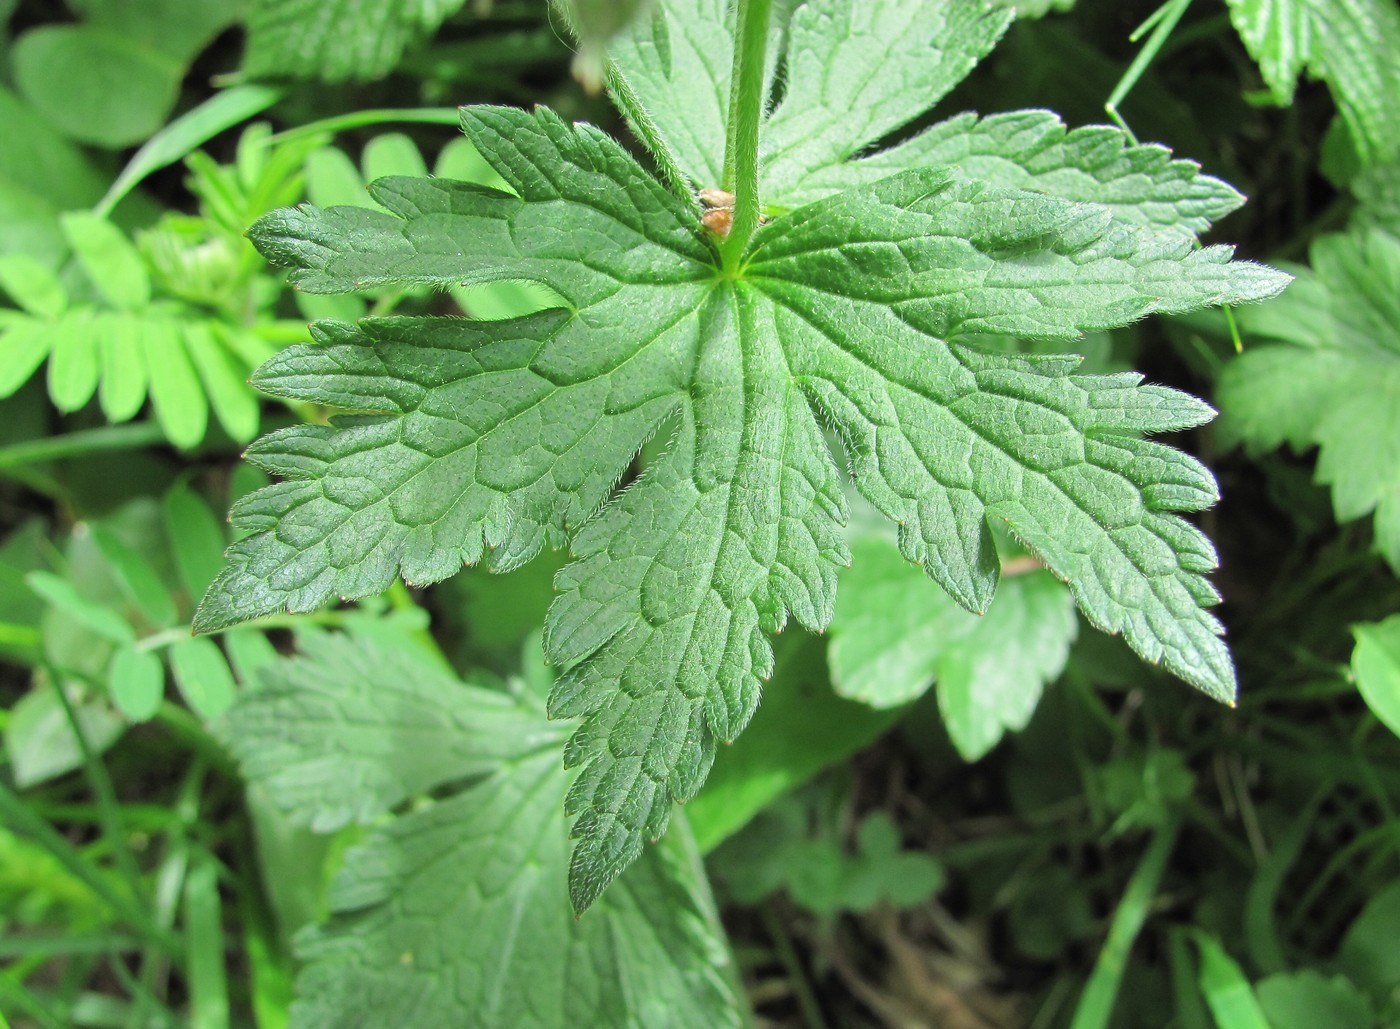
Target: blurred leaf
{"x":225,"y":381}
{"x":32,"y":286}
{"x":1227,"y":991}
{"x":895,"y":633}
{"x":801,"y":727}
{"x":41,"y":173}
{"x":95,"y":85}
{"x":110,"y":260}
{"x":139,"y":581}
{"x":1333,"y":379}
{"x":176,"y":394}
{"x":1375,"y":663}
{"x":336,"y":40}
{"x":136,"y":682}
{"x":196,"y":538}
{"x":39,"y":739}
{"x":500,"y":947}
{"x":1309,"y":1000}
{"x":73,"y":361}
{"x":176,"y":27}
{"x":1369,"y":956}
{"x":63,"y":595}
{"x":203,"y":676}
{"x":205,"y":966}
{"x":391,"y":153}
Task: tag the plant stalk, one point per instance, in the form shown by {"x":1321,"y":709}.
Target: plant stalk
{"x":746,"y":89}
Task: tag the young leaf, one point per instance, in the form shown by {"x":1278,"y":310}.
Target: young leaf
{"x":488,"y":441}
{"x":1333,"y":381}
{"x":452,"y":912}
{"x":894,"y":635}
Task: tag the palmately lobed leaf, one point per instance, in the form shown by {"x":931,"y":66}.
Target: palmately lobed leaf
{"x":451,"y":912}
{"x":485,"y":441}
{"x":1332,"y":378}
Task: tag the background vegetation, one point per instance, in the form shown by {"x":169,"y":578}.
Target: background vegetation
{"x":1106,"y":847}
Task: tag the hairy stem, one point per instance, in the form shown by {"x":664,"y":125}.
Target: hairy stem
{"x":745,"y":113}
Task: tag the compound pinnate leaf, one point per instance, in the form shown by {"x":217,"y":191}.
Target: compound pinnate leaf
{"x":451,"y":914}
{"x":488,"y":440}
{"x":1333,"y":378}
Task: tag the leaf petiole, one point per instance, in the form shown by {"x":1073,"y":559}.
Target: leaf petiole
{"x":741,"y":135}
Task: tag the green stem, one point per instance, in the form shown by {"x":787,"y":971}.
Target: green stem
{"x":108,"y":811}
{"x":86,"y":441}
{"x":15,"y":814}
{"x":746,"y":89}
{"x":1095,"y":1008}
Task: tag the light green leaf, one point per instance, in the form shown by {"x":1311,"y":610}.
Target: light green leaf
{"x":39,"y":740}
{"x":1308,"y":1000}
{"x":73,"y":362}
{"x":196,"y":538}
{"x":225,"y":380}
{"x":176,"y":27}
{"x":894,"y":635}
{"x":136,"y":683}
{"x":1350,"y":44}
{"x":24,"y":345}
{"x":455,"y":913}
{"x":333,"y":179}
{"x":336,"y":40}
{"x":1227,"y":991}
{"x":110,"y":260}
{"x":1375,"y":663}
{"x":203,"y":677}
{"x":96,"y":85}
{"x":62,"y":594}
{"x":32,"y":286}
{"x":137,"y":579}
{"x":181,"y":408}
{"x":1334,"y":383}
{"x":391,"y":153}
{"x":249,"y":652}
{"x":122,"y":365}
{"x":486,"y":441}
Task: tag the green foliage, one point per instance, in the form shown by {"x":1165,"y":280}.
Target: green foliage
{"x":893,"y":636}
{"x":489,"y":441}
{"x":1333,"y":381}
{"x":1349,"y":44}
{"x":165,"y":318}
{"x":453,"y":912}
{"x":1375,"y":663}
{"x":67,"y":71}
{"x":389,"y":844}
{"x":779,"y":852}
